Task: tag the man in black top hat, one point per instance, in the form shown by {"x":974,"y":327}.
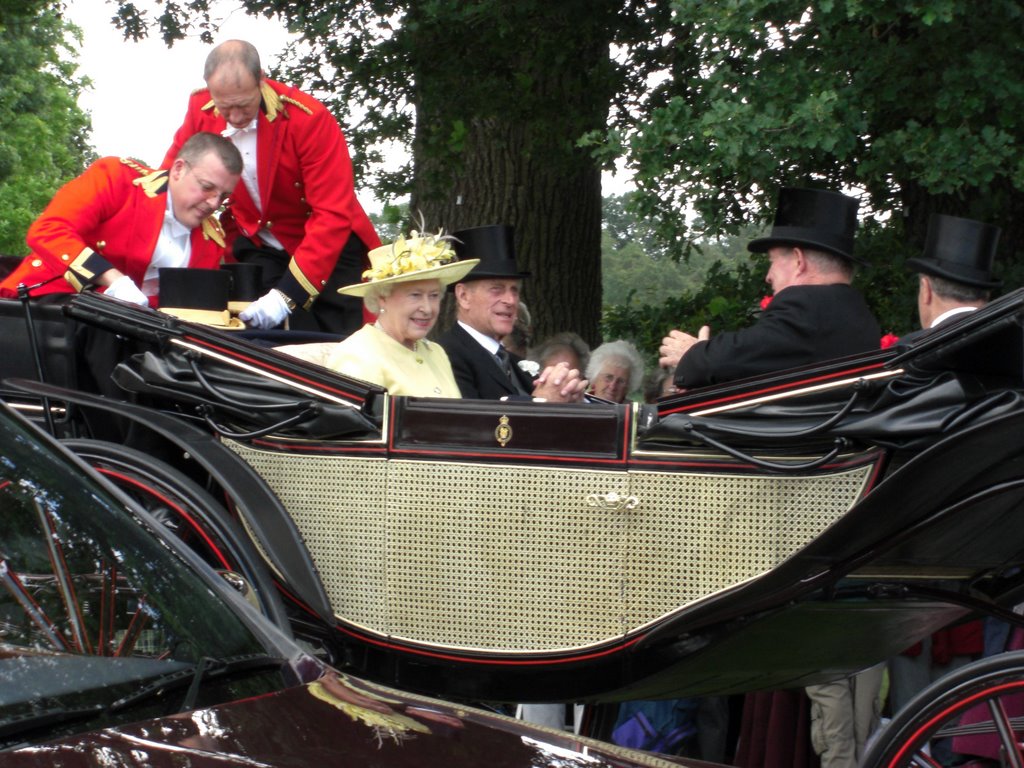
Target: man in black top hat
{"x":954,"y":271}
{"x":814,"y":314}
{"x":487,"y":304}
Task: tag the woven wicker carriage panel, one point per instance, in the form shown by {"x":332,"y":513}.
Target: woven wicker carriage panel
{"x":502,"y":556}
{"x":508,"y":558}
{"x":692,"y":535}
{"x":338,"y":506}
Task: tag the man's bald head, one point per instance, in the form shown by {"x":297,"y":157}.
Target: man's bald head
{"x":235,"y":59}
{"x":233,"y":77}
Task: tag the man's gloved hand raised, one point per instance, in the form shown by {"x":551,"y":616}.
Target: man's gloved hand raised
{"x":268,"y":311}
{"x":125,"y":289}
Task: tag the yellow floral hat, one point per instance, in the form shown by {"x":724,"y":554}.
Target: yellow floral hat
{"x":421,"y":256}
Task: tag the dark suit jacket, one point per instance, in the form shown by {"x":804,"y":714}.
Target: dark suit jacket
{"x":803,"y":324}
{"x":920,"y":333}
{"x":477,"y":373}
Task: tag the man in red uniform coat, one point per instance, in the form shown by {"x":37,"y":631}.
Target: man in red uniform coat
{"x":296,"y":211}
{"x":118,"y":223}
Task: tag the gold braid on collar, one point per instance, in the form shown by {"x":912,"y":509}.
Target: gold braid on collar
{"x":299,"y":104}
{"x":273,"y":103}
{"x":212,"y":230}
{"x":152,"y":182}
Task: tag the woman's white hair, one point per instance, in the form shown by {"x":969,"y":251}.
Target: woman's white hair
{"x":621,"y":352}
{"x":374,"y":294}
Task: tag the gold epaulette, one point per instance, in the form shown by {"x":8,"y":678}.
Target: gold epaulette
{"x":207,"y":106}
{"x":298,"y":104}
{"x":153,"y":183}
{"x":136,"y":165}
{"x":271,"y":101}
{"x":212,"y":230}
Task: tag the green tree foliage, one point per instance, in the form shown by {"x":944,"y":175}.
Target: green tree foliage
{"x":391,"y":221}
{"x":914,"y":106}
{"x":918,"y":107}
{"x":43,"y":133}
{"x":638,"y":268}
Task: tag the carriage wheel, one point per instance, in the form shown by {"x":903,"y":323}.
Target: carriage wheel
{"x":980,"y":705}
{"x":189,"y":512}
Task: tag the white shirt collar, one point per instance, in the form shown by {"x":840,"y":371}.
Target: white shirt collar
{"x":950,"y":313}
{"x":230,"y":130}
{"x":175,"y":228}
{"x":491,"y":345}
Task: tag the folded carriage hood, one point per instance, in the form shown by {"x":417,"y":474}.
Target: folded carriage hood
{"x":334,"y":721}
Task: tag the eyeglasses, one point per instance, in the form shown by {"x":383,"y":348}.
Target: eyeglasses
{"x":208,"y":188}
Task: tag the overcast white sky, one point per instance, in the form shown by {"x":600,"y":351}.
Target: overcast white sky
{"x":140,"y":90}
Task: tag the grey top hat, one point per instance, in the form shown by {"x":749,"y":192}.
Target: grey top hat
{"x":814,"y":218}
{"x":493,"y":246}
{"x":961,"y":250}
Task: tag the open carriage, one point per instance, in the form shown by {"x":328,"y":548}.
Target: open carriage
{"x":774,"y":532}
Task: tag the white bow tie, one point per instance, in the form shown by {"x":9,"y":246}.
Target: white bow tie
{"x":230,"y":131}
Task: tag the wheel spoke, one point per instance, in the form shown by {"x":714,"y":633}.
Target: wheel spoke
{"x":1009,"y":748}
{"x":32,"y":609}
{"x":72,"y":608}
{"x":976,"y":710}
{"x":924,"y":760}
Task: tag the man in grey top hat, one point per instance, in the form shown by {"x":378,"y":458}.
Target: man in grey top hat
{"x":954,"y":270}
{"x":814,"y":314}
{"x":487,"y":302}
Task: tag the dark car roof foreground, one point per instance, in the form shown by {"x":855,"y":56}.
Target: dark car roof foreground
{"x":119,"y":647}
{"x":333,"y":721}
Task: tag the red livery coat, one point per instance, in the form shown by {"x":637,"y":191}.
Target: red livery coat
{"x":305,"y":182}
{"x":108,"y":217}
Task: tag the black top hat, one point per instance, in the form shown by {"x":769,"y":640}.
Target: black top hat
{"x":814,"y":218}
{"x":491,"y":244}
{"x":246,"y":282}
{"x":197,"y":295}
{"x":961,"y":250}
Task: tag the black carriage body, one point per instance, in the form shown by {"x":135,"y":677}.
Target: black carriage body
{"x":769,"y":533}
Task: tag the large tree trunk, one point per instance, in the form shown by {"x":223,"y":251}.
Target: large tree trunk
{"x":513,"y":159}
{"x":557,"y":220}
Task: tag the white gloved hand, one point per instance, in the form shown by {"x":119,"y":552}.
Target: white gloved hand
{"x":268,"y":311}
{"x":125,"y":289}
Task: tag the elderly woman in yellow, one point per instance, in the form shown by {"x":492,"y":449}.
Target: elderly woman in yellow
{"x":403,"y":287}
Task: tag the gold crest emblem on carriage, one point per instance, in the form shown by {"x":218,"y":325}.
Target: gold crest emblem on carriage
{"x":503,"y":432}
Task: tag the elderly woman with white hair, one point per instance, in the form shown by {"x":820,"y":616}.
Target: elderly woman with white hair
{"x":615,"y":369}
{"x":403,"y":287}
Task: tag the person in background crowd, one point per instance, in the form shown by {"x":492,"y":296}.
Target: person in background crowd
{"x":296,"y":212}
{"x":565,"y":347}
{"x":658,"y":383}
{"x":615,"y":369}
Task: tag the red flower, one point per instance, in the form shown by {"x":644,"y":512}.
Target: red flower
{"x":888,"y":340}
{"x":766,"y":301}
